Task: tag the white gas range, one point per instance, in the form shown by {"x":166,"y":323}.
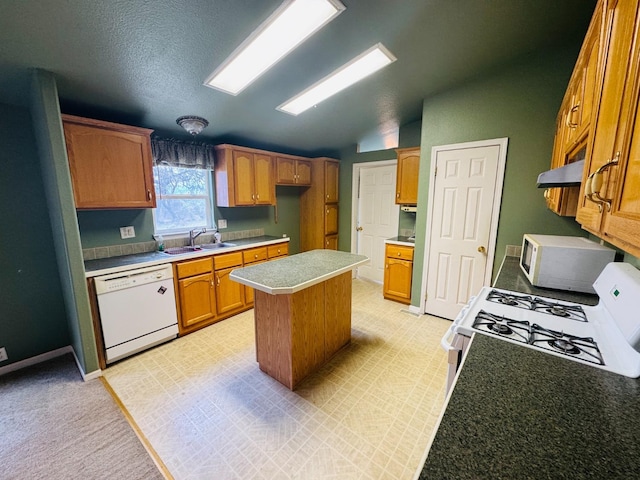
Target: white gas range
{"x":605,"y":336}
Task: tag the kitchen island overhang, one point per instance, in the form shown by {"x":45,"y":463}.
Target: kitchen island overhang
{"x":302,"y":310}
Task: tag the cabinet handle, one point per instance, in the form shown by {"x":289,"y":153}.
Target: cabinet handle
{"x":218,"y":280}
{"x":255,"y":255}
{"x":148,"y":194}
{"x":573,"y":110}
{"x":327,"y":195}
{"x":398,"y":195}
{"x":593,"y":187}
{"x":257,"y":196}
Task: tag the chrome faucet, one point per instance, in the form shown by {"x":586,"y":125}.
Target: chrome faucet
{"x":193,"y":235}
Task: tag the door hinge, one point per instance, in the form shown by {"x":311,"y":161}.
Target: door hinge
{"x":435,"y":172}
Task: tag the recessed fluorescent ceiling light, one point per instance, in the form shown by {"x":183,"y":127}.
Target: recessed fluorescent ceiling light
{"x":360,"y":67}
{"x":289,"y":26}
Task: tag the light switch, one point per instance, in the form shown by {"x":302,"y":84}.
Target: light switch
{"x":222,"y":223}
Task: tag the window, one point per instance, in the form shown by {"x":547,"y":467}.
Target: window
{"x":184,"y":199}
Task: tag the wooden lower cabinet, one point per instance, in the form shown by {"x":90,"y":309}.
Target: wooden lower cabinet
{"x":196,"y":294}
{"x":398,"y":272}
{"x":197,"y":299}
{"x":205,"y":293}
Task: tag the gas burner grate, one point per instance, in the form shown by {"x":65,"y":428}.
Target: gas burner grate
{"x":510,"y":299}
{"x":584,"y":348}
{"x":516,"y":330}
{"x":571,"y":312}
{"x":537,"y":304}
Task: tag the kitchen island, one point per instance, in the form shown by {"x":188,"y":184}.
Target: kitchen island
{"x":302,"y":311}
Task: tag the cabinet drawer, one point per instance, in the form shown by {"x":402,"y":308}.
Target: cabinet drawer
{"x":194,"y":267}
{"x":254,"y":255}
{"x":278,"y":250}
{"x":399,"y":251}
{"x":227,"y":260}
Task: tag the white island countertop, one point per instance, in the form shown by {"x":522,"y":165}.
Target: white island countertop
{"x":291,"y":274}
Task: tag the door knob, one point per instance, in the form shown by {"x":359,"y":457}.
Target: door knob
{"x":359,"y":229}
{"x":481,"y":249}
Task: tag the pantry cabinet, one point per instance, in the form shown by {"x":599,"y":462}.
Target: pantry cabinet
{"x":609,"y":204}
{"x":110,"y":164}
{"x":293,"y":171}
{"x":244,"y":177}
{"x":407,"y":176}
{"x":398,"y":271}
{"x":319,"y":207}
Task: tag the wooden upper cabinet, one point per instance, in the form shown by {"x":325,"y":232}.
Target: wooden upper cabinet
{"x":110,"y":164}
{"x":574,"y":127}
{"x":407,"y":176}
{"x":244,"y":177}
{"x":293,"y":171}
{"x":614,"y":117}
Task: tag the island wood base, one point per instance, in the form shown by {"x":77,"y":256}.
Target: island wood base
{"x":298,"y":333}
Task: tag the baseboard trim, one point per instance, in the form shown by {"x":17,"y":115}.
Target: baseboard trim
{"x":43,"y":357}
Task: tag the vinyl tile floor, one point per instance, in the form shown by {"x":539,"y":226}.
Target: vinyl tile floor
{"x":210,"y":413}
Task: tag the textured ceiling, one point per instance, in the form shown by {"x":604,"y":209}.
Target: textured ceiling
{"x":143,"y":62}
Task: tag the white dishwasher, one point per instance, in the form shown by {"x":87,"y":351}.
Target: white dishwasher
{"x":137,"y":310}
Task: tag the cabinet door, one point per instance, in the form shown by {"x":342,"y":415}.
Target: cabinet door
{"x":229,"y":294}
{"x":285,"y":171}
{"x":243,"y":173}
{"x":620,"y":23}
{"x":332,"y":170}
{"x":303,"y":172}
{"x":197,"y":300}
{"x":397,"y":280}
{"x":407,"y":177}
{"x":248,"y":291}
{"x":330,"y":219}
{"x":109,"y":168}
{"x":331,"y":242}
{"x":264,"y":182}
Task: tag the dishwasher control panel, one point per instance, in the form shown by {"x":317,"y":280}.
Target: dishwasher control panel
{"x":132,"y":278}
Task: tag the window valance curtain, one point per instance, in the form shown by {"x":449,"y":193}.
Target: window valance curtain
{"x":176,"y":153}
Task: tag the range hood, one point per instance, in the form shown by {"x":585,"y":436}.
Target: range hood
{"x":567,"y":176}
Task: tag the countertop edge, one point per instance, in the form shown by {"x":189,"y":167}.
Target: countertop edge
{"x":185,"y":256}
{"x":393,"y":241}
{"x":298,"y":287}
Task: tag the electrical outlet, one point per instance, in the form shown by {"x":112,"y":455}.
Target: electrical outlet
{"x":222,"y":223}
{"x":3,"y":354}
{"x":127,"y":232}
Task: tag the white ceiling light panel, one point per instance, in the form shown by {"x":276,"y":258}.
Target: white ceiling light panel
{"x":360,"y":67}
{"x":288,"y":27}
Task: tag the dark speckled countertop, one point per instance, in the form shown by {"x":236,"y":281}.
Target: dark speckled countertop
{"x":517,"y":413}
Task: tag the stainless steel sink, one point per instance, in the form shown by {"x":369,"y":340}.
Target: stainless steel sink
{"x":213,"y":246}
{"x":179,"y":250}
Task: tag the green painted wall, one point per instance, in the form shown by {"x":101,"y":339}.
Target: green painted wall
{"x":100,"y":228}
{"x":52,"y":154}
{"x":32,"y":312}
{"x":409,"y":137}
{"x":520,"y":102}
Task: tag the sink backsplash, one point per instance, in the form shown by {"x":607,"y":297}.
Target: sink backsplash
{"x":143,"y":247}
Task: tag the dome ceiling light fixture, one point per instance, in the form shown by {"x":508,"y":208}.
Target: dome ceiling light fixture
{"x":192,"y":124}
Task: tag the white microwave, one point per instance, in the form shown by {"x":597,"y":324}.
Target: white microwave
{"x":564,"y":263}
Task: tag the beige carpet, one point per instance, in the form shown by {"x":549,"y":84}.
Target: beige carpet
{"x":55,"y":426}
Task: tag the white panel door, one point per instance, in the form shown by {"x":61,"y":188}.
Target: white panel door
{"x":377,"y":217}
{"x":463,"y":199}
